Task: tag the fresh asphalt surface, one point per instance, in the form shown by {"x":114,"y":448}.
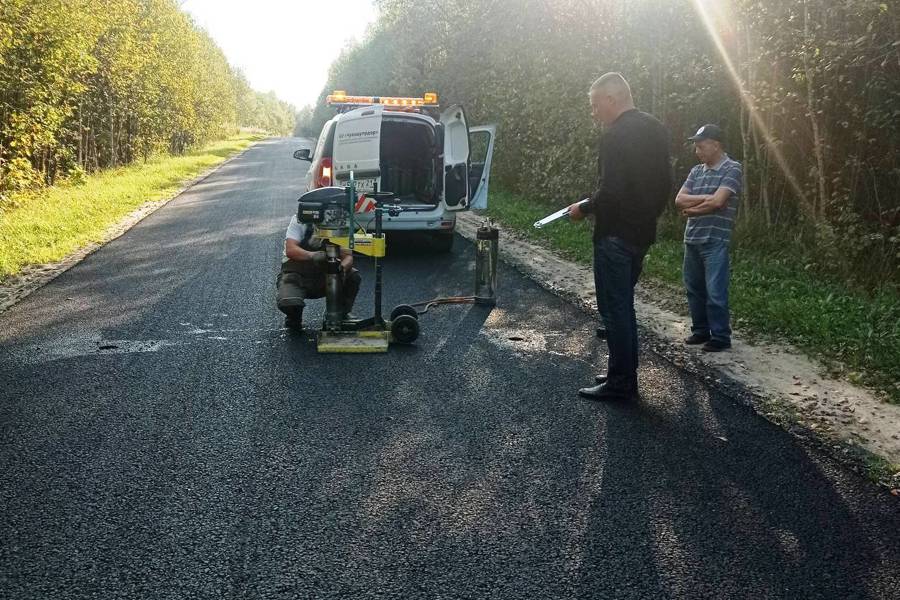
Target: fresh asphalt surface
{"x":164,"y":437}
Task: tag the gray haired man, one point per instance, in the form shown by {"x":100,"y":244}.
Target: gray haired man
{"x":634,"y":188}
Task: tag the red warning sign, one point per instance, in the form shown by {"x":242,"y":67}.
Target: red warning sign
{"x":364,"y":205}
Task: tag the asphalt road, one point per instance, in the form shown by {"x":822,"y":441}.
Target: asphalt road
{"x":163,"y":436}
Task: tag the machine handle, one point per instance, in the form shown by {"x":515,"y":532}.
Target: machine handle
{"x":377,"y":196}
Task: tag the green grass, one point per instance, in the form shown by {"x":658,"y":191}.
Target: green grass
{"x":857,"y":334}
{"x":45,"y":226}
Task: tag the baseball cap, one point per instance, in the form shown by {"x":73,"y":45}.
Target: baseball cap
{"x":708,"y":132}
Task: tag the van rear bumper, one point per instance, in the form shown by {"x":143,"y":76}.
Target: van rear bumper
{"x":435,"y":221}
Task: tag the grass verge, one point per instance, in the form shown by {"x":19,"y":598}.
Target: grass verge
{"x":45,"y":226}
{"x":856,"y":334}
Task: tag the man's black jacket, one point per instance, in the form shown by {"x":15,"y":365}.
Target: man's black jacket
{"x":635,"y":179}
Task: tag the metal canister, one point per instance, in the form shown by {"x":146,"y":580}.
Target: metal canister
{"x":333,"y":298}
{"x":487,"y":240}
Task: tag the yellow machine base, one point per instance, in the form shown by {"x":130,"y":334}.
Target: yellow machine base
{"x":353,"y":342}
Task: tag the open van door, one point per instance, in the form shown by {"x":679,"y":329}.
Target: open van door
{"x":456,"y":158}
{"x":481,"y":140}
{"x":357,"y":147}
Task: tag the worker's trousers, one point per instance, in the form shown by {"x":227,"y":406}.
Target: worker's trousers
{"x":298,"y":282}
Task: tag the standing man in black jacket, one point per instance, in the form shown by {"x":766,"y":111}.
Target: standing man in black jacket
{"x":635,"y":184}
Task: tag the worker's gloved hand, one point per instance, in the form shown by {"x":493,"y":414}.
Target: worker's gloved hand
{"x":318,"y":258}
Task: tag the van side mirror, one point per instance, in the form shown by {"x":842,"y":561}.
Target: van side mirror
{"x":303,"y":154}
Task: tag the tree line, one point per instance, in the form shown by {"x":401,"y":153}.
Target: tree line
{"x":94,"y":84}
{"x":808,"y":92}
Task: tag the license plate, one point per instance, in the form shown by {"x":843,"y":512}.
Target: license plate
{"x":363,"y":185}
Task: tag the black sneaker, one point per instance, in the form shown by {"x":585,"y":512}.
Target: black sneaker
{"x":715,"y":346}
{"x":696,"y":338}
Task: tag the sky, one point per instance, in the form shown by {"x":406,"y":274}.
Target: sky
{"x":283,"y":45}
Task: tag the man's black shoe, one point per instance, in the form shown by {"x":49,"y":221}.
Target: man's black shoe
{"x":294,"y":319}
{"x":603,"y":392}
{"x":601,"y":333}
{"x":715,"y":346}
{"x":603,"y":379}
{"x":694,"y":339}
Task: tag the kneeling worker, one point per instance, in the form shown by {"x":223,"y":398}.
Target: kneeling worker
{"x":303,"y":273}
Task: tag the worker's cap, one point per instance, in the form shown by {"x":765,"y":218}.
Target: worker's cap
{"x":708,"y":132}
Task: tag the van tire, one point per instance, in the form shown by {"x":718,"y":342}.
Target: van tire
{"x":443,"y":241}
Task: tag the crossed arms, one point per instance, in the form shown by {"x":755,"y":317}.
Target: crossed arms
{"x":692,"y":205}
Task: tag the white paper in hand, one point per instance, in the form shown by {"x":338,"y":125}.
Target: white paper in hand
{"x":564,"y":212}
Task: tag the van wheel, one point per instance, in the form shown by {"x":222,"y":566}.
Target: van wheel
{"x":443,"y":242}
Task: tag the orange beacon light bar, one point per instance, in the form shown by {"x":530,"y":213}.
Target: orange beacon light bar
{"x":341,"y":97}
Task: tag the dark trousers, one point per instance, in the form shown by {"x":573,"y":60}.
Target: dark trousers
{"x":295,"y":284}
{"x":617,"y":266}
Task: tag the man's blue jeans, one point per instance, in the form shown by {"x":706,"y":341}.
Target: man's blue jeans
{"x":706,"y":273}
{"x":617,"y":266}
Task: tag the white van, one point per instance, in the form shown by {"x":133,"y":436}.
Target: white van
{"x":432,"y":161}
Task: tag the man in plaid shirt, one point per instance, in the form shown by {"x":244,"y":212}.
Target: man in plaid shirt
{"x":709,"y":199}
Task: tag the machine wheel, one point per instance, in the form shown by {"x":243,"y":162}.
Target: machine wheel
{"x":404,"y":309}
{"x":442,"y":242}
{"x":404,"y":329}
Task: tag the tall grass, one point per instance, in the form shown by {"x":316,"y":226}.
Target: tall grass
{"x":45,"y":226}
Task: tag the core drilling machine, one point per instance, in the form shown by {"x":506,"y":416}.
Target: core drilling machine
{"x":330,"y":210}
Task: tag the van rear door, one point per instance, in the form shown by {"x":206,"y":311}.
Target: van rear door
{"x":482,"y":143}
{"x":456,"y":158}
{"x":357,"y":147}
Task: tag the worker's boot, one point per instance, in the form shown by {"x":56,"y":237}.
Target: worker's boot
{"x":289,"y":298}
{"x":293,"y":317}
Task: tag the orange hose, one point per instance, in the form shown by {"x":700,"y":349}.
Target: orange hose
{"x":449,"y":300}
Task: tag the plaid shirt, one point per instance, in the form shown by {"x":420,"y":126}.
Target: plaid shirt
{"x":703,"y":180}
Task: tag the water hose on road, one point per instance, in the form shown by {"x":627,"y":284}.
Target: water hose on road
{"x":438,"y":301}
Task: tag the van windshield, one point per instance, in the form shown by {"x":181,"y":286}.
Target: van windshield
{"x":408,"y":160}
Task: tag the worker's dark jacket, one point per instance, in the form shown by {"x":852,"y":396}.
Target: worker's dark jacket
{"x":635,"y":179}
